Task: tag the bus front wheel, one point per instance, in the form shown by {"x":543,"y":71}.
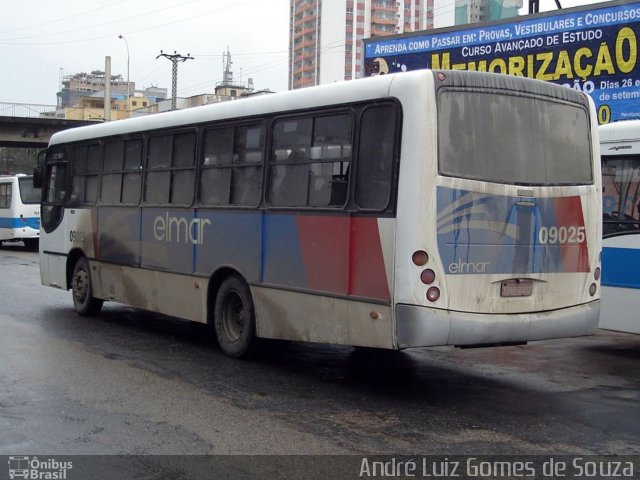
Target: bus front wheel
{"x":31,"y":244}
{"x":83,"y":300}
{"x":234,"y":318}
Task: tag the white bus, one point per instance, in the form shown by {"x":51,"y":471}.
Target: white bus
{"x":419,"y":209}
{"x":620,"y":150}
{"x":19,"y":210}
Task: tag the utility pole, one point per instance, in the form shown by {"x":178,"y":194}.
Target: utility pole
{"x":107,"y":89}
{"x":128,"y":84}
{"x":175,"y":58}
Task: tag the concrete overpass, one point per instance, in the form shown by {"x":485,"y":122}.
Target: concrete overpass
{"x":31,"y":125}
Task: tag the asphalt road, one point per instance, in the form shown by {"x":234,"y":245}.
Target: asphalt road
{"x":133,"y":382}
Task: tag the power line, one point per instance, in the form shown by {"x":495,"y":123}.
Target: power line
{"x":126,"y":32}
{"x":253,"y":54}
{"x":63,"y":18}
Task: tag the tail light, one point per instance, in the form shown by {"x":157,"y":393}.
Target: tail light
{"x":420,"y":258}
{"x":433,"y":294}
{"x":428,"y":276}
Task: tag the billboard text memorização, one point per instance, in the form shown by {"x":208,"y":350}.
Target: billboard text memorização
{"x":592,"y":48}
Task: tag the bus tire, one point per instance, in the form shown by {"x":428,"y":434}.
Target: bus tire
{"x":31,"y":243}
{"x":82,"y":290}
{"x":234,"y":318}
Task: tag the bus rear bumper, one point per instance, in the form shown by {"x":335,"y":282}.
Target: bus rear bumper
{"x":418,"y":326}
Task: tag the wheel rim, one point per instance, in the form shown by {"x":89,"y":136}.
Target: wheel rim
{"x":80,"y":285}
{"x":233,"y":313}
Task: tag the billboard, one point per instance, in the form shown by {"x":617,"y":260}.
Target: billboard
{"x":593,"y":49}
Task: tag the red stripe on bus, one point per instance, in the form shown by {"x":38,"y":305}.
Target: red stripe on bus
{"x":343,"y":255}
{"x":575,"y":257}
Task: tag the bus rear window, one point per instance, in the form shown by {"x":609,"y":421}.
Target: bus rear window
{"x":511,"y":139}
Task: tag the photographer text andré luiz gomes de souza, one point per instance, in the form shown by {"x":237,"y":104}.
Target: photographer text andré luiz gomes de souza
{"x":578,"y":467}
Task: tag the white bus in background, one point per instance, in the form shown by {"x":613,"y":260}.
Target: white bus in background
{"x":620,"y":151}
{"x":19,"y":210}
{"x":419,"y":209}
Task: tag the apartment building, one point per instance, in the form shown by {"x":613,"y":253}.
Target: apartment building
{"x":325,"y":35}
{"x":473,"y":11}
{"x":80,"y":85}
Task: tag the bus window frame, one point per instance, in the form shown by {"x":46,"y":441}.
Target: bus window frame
{"x":6,"y":195}
{"x":334,"y":110}
{"x":125,"y":139}
{"x":72,"y":173}
{"x":392,"y":199}
{"x":264,"y":124}
{"x":57,"y":206}
{"x":64,"y":201}
{"x":355,"y":111}
{"x":172,"y":132}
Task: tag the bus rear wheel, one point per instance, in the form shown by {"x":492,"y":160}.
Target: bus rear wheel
{"x":234,"y":318}
{"x":82,"y":290}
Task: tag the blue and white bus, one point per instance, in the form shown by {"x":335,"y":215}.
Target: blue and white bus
{"x":19,"y":210}
{"x":419,"y":209}
{"x":620,"y":150}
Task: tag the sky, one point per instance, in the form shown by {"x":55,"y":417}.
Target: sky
{"x":39,"y":38}
{"x":42,"y":39}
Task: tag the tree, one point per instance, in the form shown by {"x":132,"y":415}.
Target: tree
{"x":18,"y":160}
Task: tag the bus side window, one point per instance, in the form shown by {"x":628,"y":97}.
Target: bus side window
{"x":315,"y":172}
{"x":86,"y":166}
{"x":5,"y":195}
{"x":376,"y":157}
{"x":55,"y":195}
{"x":132,"y":176}
{"x":111,"y":190}
{"x":170,"y":169}
{"x":158,"y":181}
{"x":57,"y":175}
{"x":289,"y":175}
{"x":332,"y":147}
{"x":121,"y":177}
{"x":246,"y":177}
{"x":232,"y":166}
{"x":183,"y":172}
{"x":215,"y":181}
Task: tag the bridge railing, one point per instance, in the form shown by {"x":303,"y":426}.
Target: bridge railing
{"x":29,"y":110}
{"x":37,"y":110}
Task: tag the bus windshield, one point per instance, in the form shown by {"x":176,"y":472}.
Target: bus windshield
{"x":513,"y":139}
{"x":28,"y":193}
{"x":621,"y":194}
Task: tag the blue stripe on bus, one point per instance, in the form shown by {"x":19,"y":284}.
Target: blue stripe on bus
{"x":621,"y":267}
{"x":489,"y":234}
{"x":32,"y":222}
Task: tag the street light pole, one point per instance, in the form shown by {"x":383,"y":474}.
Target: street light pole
{"x":128,"y":85}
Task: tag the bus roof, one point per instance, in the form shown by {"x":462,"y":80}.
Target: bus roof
{"x":330,"y":94}
{"x":624,"y":131}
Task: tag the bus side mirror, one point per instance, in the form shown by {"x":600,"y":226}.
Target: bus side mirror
{"x":38,"y":171}
{"x":37,"y":176}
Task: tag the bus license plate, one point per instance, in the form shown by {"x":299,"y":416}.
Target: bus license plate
{"x":516,"y":288}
